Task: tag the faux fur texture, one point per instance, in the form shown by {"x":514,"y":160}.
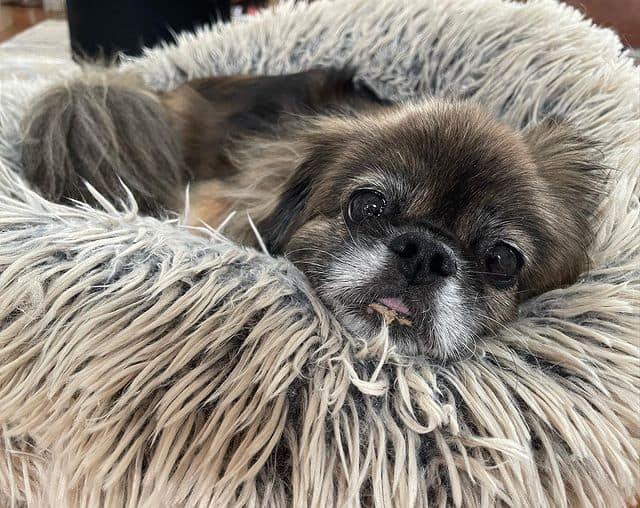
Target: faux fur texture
{"x":143,"y":366}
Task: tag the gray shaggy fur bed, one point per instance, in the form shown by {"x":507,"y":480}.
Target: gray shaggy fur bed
{"x":143,"y":366}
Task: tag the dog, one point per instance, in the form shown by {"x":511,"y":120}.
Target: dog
{"x":432,"y":216}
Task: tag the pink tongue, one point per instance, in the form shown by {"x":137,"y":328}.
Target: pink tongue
{"x":395,"y":304}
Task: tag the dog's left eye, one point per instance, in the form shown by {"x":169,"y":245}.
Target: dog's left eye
{"x":503,"y":262}
{"x":365,"y":204}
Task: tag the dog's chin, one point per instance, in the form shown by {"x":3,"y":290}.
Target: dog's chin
{"x":440,"y":329}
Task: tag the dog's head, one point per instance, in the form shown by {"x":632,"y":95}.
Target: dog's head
{"x":436,"y":218}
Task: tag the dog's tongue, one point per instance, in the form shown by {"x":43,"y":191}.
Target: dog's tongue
{"x":395,"y":304}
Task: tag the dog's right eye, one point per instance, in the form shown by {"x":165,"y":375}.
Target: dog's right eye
{"x":365,"y":204}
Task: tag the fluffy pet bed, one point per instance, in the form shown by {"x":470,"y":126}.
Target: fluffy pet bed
{"x":143,"y":366}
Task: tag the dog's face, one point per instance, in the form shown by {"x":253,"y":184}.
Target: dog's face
{"x":437,"y":219}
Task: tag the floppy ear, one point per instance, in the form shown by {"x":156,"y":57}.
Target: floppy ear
{"x":572,"y":165}
{"x":287,"y":216}
{"x":321,"y":144}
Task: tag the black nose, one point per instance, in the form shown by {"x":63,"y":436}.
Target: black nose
{"x":422,"y":259}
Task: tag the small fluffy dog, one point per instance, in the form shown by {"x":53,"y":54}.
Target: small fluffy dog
{"x":431,"y":216}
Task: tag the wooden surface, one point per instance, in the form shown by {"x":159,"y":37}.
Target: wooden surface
{"x":14,"y":20}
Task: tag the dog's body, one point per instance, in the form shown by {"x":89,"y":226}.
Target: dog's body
{"x":432,"y":216}
{"x":244,"y":136}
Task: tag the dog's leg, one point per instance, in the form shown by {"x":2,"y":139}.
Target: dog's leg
{"x":208,"y":114}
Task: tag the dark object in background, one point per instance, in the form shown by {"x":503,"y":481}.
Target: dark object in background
{"x":102,"y":29}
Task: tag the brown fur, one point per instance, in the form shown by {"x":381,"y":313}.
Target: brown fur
{"x":462,"y":170}
{"x":206,"y":113}
{"x":291,"y":151}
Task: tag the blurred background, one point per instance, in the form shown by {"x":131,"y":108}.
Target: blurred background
{"x":41,"y":36}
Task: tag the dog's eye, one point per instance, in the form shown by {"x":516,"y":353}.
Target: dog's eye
{"x":365,"y":204}
{"x":503,"y":262}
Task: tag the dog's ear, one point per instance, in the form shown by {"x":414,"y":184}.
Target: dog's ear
{"x":571,"y":166}
{"x":322,"y":145}
{"x":288,"y":214}
{"x":570,"y":161}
